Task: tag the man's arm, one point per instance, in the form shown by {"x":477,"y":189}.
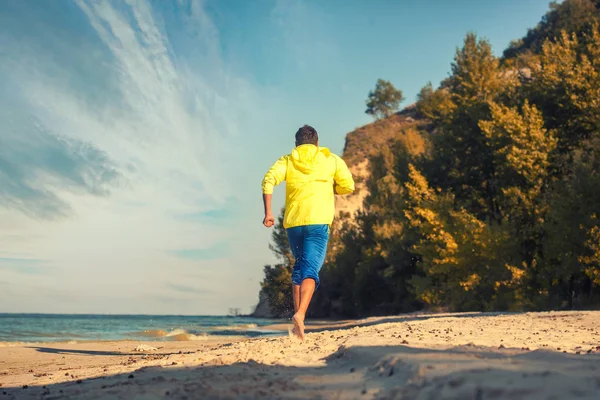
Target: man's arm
{"x":269,"y":220}
{"x":273,"y":177}
{"x":343,"y":182}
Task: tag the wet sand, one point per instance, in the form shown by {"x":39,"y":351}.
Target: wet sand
{"x":553,"y":355}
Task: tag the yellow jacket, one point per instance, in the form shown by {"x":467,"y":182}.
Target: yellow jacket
{"x":312,"y":174}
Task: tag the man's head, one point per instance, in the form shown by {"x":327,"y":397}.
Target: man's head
{"x":307,"y":135}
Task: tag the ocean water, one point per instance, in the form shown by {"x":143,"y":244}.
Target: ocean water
{"x":64,"y":328}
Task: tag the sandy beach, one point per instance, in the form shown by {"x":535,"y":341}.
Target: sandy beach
{"x":549,"y":355}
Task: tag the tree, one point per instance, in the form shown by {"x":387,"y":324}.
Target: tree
{"x":521,"y":149}
{"x":435,"y":104}
{"x":592,"y":259}
{"x":463,"y":159}
{"x":280,"y":245}
{"x":384,"y":101}
{"x":571,"y":16}
{"x":566,"y":86}
{"x":461,"y":257}
{"x":276,"y":286}
{"x":476,"y":77}
{"x":570,"y":252}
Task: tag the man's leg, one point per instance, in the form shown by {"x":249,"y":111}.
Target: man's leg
{"x":296,"y":241}
{"x":313,"y":256}
{"x":296,"y":293}
{"x":307,"y":289}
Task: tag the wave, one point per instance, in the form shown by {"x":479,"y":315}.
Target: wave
{"x":173,"y":335}
{"x":241,"y":327}
{"x":153,"y":333}
{"x":180,"y":334}
{"x":184,"y":337}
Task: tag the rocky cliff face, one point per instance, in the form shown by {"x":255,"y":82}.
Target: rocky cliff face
{"x":366,"y":142}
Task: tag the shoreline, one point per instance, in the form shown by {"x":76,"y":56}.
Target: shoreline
{"x":201,"y":339}
{"x":277,"y":328}
{"x":458,"y":355}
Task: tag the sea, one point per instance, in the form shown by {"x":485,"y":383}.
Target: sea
{"x":81,"y":328}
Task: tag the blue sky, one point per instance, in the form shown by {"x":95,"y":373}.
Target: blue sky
{"x":135,"y":134}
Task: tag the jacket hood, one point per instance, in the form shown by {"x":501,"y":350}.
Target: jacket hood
{"x":307,"y":157}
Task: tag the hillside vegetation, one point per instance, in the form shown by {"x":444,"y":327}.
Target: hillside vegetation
{"x":484,"y":195}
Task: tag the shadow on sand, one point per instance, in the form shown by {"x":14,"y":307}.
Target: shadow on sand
{"x":382,"y":372}
{"x":52,"y":350}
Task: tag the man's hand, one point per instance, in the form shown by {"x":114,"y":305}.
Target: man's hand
{"x":269,"y":220}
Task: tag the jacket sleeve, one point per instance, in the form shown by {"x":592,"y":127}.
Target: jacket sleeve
{"x":344,"y":184}
{"x":275,"y":175}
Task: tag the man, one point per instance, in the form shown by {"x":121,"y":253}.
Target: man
{"x":312,"y":174}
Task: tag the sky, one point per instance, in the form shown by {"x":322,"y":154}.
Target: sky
{"x":135,"y":134}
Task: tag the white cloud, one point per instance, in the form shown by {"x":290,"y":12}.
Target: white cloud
{"x":158,"y":130}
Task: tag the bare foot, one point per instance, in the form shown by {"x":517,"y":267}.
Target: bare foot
{"x":298,"y":330}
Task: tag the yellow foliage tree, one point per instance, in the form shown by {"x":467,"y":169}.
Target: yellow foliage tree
{"x":460,"y":255}
{"x":566,"y":86}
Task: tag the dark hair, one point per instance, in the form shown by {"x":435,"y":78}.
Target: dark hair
{"x":306,"y":135}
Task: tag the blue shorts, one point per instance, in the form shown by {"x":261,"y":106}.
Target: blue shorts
{"x":309,"y":246}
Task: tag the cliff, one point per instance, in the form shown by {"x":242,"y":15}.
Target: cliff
{"x":366,"y":142}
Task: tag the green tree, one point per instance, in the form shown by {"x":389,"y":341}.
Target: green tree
{"x":277,"y":289}
{"x":568,"y":260}
{"x":435,"y":105}
{"x":462,"y":162}
{"x":571,"y":16}
{"x":461,"y":257}
{"x":475,"y":78}
{"x":384,"y":100}
{"x":565,"y":86}
{"x":386,"y":264}
{"x":521,"y":151}
{"x":276,"y":286}
{"x":280,"y":245}
{"x":591,"y":260}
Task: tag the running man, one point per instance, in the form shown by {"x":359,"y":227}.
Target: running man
{"x":313,"y":175}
